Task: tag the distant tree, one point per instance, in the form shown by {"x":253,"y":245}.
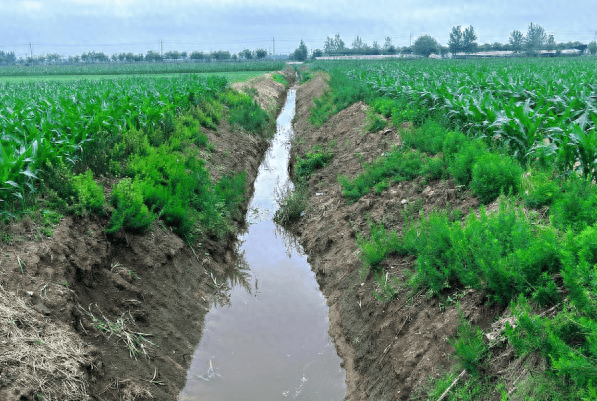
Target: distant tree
{"x":8,"y":57}
{"x":300,"y":54}
{"x":516,"y":40}
{"x":246,"y":54}
{"x":358,"y":45}
{"x":406,"y":49}
{"x":261,"y":53}
{"x":153,"y":56}
{"x":172,"y":55}
{"x":184,"y":55}
{"x":197,"y":55}
{"x":536,"y":37}
{"x":592,"y":47}
{"x":388,"y":47}
{"x":425,"y":45}
{"x":456,"y":40}
{"x":497,"y":46}
{"x":469,"y":40}
{"x":335,"y":46}
{"x":234,"y":57}
{"x":220,"y":55}
{"x":375,"y":48}
{"x":550,"y":44}
{"x":317,"y":53}
{"x":485,"y":47}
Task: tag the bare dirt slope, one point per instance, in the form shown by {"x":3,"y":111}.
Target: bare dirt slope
{"x":387,"y":349}
{"x":149,"y":292}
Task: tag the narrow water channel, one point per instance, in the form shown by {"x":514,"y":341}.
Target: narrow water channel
{"x":269,"y":340}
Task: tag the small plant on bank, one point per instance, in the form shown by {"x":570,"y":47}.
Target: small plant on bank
{"x":317,"y":158}
{"x":280,"y":79}
{"x":469,"y":345}
{"x":292,"y":203}
{"x":387,"y":285}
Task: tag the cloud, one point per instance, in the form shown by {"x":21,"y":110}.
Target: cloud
{"x":32,"y":5}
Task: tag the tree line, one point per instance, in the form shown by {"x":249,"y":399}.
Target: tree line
{"x":462,"y":40}
{"x":150,"y":56}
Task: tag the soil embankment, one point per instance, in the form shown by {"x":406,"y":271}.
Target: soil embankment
{"x":388,"y":349}
{"x":105,"y":300}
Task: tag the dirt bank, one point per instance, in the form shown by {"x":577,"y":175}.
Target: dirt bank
{"x":146,"y":293}
{"x":387,"y":349}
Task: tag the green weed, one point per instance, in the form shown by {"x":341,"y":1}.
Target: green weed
{"x":315,"y":159}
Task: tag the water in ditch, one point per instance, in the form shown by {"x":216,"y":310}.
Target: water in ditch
{"x":268,"y":339}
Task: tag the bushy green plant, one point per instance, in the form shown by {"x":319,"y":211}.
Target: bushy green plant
{"x":374,"y":123}
{"x":384,"y":106}
{"x":576,"y":205}
{"x":398,"y":165}
{"x":453,"y":142}
{"x":343,"y":92}
{"x":428,"y":138}
{"x":90,"y":196}
{"x":377,"y":246}
{"x":538,"y":189}
{"x":469,"y":345}
{"x":245,"y":112}
{"x":494,"y":174}
{"x":132,"y":142}
{"x":317,"y":158}
{"x":280,"y":79}
{"x":131,"y":213}
{"x":460,"y":165}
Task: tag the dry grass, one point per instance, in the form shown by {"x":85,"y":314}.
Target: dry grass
{"x":40,"y":355}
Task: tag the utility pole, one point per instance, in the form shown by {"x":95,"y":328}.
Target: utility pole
{"x":274,"y":45}
{"x":161,"y":47}
{"x":30,"y":50}
{"x":411,"y":39}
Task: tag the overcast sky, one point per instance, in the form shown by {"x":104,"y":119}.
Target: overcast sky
{"x":70,"y":27}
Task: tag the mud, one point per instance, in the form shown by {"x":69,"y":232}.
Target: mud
{"x":154,"y":283}
{"x":388,"y":350}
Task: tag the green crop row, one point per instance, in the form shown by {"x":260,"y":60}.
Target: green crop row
{"x":138,"y":68}
{"x":537,"y":109}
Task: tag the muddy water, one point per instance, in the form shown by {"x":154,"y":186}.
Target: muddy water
{"x":267,"y":338}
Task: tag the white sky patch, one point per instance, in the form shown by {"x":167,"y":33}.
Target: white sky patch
{"x":32,"y":5}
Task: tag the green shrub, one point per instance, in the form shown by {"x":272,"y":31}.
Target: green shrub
{"x":280,"y":79}
{"x":343,"y":92}
{"x":384,"y":106}
{"x":375,"y":248}
{"x":460,"y":165}
{"x":453,"y":142}
{"x":494,"y":174}
{"x":245,"y":112}
{"x":90,"y":196}
{"x":374,"y":123}
{"x":428,"y":138}
{"x":538,"y":189}
{"x":398,"y":165}
{"x":133,"y":142}
{"x":575,"y":207}
{"x":314,"y":160}
{"x":469,"y":345}
{"x":131,"y":213}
